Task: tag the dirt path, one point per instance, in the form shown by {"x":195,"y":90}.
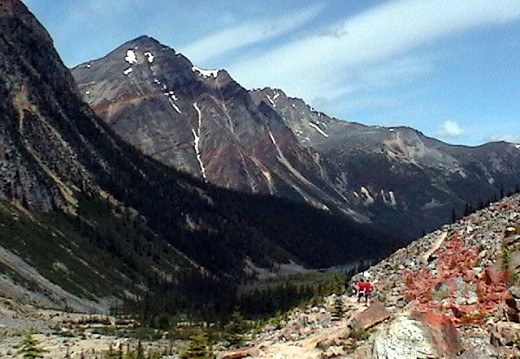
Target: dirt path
{"x":307,"y":333}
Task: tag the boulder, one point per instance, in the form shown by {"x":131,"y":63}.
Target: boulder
{"x":407,"y":337}
{"x":515,"y":291}
{"x":513,"y":309}
{"x":373,"y":315}
{"x":239,"y":354}
{"x":442,"y":332}
{"x":484,"y":351}
{"x":508,"y":332}
{"x":403,"y":338}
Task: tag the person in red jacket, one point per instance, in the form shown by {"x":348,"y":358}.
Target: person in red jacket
{"x":363,"y":289}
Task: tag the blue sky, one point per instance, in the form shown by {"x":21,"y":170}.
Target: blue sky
{"x":449,"y":68}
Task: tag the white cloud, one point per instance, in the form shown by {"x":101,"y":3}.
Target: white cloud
{"x":450,"y":129}
{"x":358,"y":46}
{"x":248,"y":33}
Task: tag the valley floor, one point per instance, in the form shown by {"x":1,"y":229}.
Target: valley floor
{"x":65,"y":335}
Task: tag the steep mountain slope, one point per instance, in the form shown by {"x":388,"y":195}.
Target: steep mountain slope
{"x":204,"y":123}
{"x":69,"y":187}
{"x":262,"y":141}
{"x":400,"y":176}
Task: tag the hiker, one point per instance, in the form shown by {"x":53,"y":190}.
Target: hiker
{"x":363,"y":289}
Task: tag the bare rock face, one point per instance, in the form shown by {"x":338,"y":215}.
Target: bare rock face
{"x":37,"y":169}
{"x":403,"y":338}
{"x":507,"y":333}
{"x":407,"y":338}
{"x":403,"y":178}
{"x":201,"y":122}
{"x":262,"y":141}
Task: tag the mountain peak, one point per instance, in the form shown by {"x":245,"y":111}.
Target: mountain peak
{"x":144,"y":41}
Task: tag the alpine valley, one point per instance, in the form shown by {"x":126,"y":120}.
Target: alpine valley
{"x":100,"y":219}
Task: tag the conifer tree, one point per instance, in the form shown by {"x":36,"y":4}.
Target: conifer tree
{"x":30,"y":348}
{"x":199,"y":347}
{"x":338,"y":310}
{"x":236,"y":329}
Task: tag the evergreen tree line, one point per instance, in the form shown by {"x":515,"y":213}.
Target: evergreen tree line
{"x":473,"y":206}
{"x":196,"y":298}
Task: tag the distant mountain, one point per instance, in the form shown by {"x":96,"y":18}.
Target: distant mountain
{"x":98,"y":218}
{"x":204,"y":123}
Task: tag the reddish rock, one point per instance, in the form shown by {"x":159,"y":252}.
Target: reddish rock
{"x":442,"y":332}
{"x":445,"y":338}
{"x":284,"y":337}
{"x":375,"y":314}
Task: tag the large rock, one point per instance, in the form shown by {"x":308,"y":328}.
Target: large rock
{"x":442,"y":332}
{"x":406,"y":337}
{"x":243,"y":353}
{"x":507,"y":333}
{"x":375,"y":314}
{"x":515,"y":292}
{"x":484,"y":351}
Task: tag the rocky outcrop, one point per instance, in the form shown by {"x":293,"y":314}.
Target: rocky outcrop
{"x":403,"y":338}
{"x":491,"y":232}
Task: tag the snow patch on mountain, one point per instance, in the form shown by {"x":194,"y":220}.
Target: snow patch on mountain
{"x":172,"y":95}
{"x":196,"y":136}
{"x":393,"y":202}
{"x":271,"y":100}
{"x":432,"y":204}
{"x":131,"y":58}
{"x":368,"y":197}
{"x":205,"y":73}
{"x":175,"y":107}
{"x":149,"y":56}
{"x":313,"y":125}
{"x":390,"y":201}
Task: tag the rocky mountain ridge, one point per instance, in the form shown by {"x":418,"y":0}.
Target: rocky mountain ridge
{"x":262,"y":141}
{"x":201,"y":122}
